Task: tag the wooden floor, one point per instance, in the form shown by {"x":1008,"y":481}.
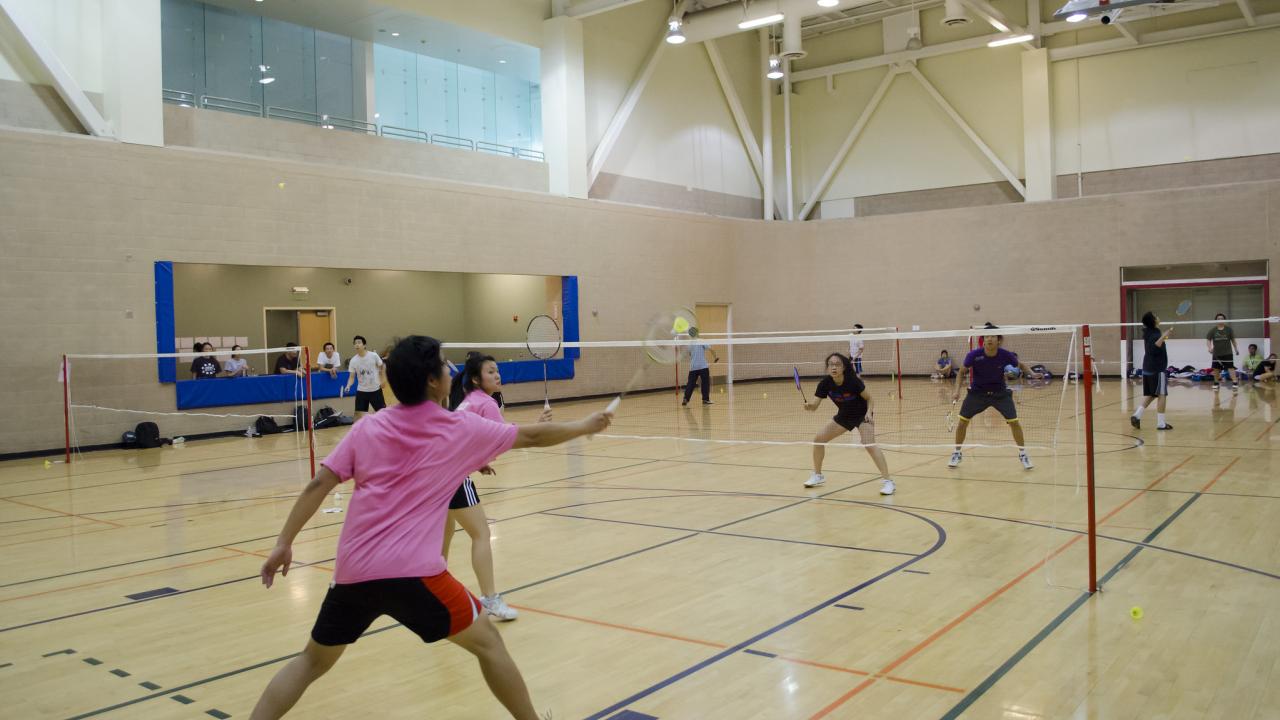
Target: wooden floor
{"x":681,"y":579}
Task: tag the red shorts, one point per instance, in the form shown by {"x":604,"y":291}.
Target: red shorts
{"x":434,"y":607}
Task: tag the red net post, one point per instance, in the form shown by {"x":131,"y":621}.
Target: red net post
{"x":66,"y":408}
{"x":311,"y":433}
{"x":1087,"y":344}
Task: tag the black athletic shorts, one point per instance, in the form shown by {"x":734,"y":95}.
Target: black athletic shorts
{"x":465,"y":497}
{"x":371,"y":398}
{"x":1223,"y":364}
{"x":849,"y":422}
{"x":434,"y":607}
{"x":977,"y":401}
{"x":1155,"y":384}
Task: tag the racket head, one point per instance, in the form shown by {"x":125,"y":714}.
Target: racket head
{"x":662,"y":338}
{"x":795,"y":372}
{"x":542,"y":337}
{"x":1184,"y":307}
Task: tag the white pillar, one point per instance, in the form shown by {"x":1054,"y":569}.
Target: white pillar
{"x":786,"y":137}
{"x":1037,"y":126}
{"x":564,"y":106}
{"x":766,"y":126}
{"x":131,"y":70}
{"x":363,"y":82}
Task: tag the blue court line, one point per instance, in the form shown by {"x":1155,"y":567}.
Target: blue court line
{"x":847,"y":607}
{"x":734,"y":535}
{"x":995,"y":677}
{"x":761,"y":653}
{"x":632,"y":715}
{"x":728,"y":652}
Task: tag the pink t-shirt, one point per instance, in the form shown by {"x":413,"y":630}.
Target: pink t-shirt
{"x":407,"y":462}
{"x":482,"y":403}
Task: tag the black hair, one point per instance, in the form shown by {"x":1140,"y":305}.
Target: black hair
{"x":360,"y":338}
{"x":235,"y":348}
{"x":944,"y":352}
{"x":291,"y":344}
{"x":1253,"y":346}
{"x":1220,"y":316}
{"x":410,"y":364}
{"x":197,"y":347}
{"x":328,"y":344}
{"x":1149,"y":320}
{"x":206,"y":343}
{"x":468,"y":378}
{"x":844,"y":360}
{"x":857,"y":326}
{"x":990,"y":326}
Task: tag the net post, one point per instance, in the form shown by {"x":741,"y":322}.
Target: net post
{"x":311,"y":436}
{"x":1087,"y":345}
{"x":897,"y":354}
{"x":66,"y":409}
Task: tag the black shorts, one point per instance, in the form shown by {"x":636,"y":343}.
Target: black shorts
{"x":1223,"y":364}
{"x":465,"y":497}
{"x":434,"y":607}
{"x":1155,"y":384}
{"x":849,"y":422}
{"x":371,"y":398}
{"x":979,"y":400}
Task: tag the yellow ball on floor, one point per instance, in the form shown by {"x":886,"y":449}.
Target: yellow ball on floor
{"x":48,"y":464}
{"x":1135,"y":612}
{"x":280,"y":185}
{"x":766,"y":396}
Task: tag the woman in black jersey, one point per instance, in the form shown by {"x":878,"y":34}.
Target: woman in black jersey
{"x":854,"y":410}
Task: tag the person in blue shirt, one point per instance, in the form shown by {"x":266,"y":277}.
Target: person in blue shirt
{"x":699,"y":370}
{"x":945,"y":368}
{"x":986,"y":365}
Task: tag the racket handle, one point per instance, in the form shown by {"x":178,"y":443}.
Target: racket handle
{"x":546,"y":403}
{"x":614,"y":405}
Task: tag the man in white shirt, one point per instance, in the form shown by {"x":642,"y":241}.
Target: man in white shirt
{"x":330,"y":360}
{"x":855,"y":349}
{"x":368,"y":372}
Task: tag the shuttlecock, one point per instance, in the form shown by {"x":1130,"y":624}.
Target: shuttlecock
{"x":681,"y":325}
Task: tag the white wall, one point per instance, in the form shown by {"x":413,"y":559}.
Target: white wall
{"x":1194,"y":353}
{"x":1199,"y":100}
{"x":73,"y":28}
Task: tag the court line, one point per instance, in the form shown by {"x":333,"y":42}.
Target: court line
{"x":122,"y":577}
{"x":939,"y":542}
{"x":1236,"y":425}
{"x":1053,"y":624}
{"x":956,"y":621}
{"x":1267,"y":429}
{"x":60,"y":512}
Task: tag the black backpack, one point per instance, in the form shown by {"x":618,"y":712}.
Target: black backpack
{"x":147,"y":435}
{"x":300,"y":418}
{"x":266,"y":425}
{"x":325,"y":417}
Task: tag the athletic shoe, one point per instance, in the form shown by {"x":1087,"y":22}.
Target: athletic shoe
{"x":1026,"y":460}
{"x":497,"y":607}
{"x":707,"y":402}
{"x":887,"y":487}
{"x":1166,"y":426}
{"x":684,"y":404}
{"x":1235,"y":389}
{"x":956,"y":457}
{"x":1135,"y":422}
{"x":1215,"y":387}
{"x":815,"y":480}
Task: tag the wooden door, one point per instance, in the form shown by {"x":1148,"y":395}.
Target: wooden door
{"x":314,"y":331}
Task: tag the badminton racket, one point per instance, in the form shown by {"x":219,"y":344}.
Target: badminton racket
{"x":542,"y":338}
{"x":1184,"y":307}
{"x":951,"y":417}
{"x":795,"y":372}
{"x":661,"y":345}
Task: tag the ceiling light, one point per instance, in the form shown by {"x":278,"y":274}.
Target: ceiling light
{"x":395,"y":34}
{"x":821,"y":3}
{"x":999,"y":26}
{"x":1013,"y":40}
{"x":1077,"y":17}
{"x":675,"y":35}
{"x":775,"y":68}
{"x":760,"y":21}
{"x":265,"y":79}
{"x":502,"y":62}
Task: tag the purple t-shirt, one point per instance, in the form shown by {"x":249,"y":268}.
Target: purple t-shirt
{"x":988,"y":372}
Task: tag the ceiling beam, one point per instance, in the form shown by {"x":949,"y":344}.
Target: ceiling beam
{"x":595,"y":7}
{"x":997,"y":20}
{"x":1247,"y":11}
{"x":1127,"y":31}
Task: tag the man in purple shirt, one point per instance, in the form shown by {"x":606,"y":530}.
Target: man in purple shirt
{"x":988,"y":390}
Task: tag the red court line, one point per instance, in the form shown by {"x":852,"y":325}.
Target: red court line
{"x":1218,"y":477}
{"x":1267,"y":429}
{"x":983,"y":603}
{"x":60,"y":512}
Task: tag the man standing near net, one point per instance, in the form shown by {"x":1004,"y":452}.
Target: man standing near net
{"x":367,"y":371}
{"x":1222,"y":345}
{"x":699,"y":371}
{"x":988,"y":390}
{"x":856,"y":346}
{"x":408,"y":461}
{"x":1155,"y":371}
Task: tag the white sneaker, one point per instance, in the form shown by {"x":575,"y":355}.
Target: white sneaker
{"x":887,"y":487}
{"x":815,"y":480}
{"x":956,"y":457}
{"x":497,"y":607}
{"x":1026,"y":460}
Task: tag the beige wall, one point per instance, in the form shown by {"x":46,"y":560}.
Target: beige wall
{"x":85,"y":219}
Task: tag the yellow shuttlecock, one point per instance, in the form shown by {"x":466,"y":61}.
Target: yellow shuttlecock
{"x":1135,"y":612}
{"x":48,"y":464}
{"x":280,"y":185}
{"x":766,"y":396}
{"x":681,"y":325}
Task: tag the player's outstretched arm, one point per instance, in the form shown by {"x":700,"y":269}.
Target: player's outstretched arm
{"x":553,"y":433}
{"x":304,"y":508}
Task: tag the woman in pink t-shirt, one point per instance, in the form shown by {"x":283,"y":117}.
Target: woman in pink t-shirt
{"x":473,"y":391}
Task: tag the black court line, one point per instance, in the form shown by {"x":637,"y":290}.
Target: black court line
{"x":147,"y":478}
{"x":847,"y":607}
{"x":68,"y":651}
{"x":1053,"y":624}
{"x":761,"y":653}
{"x":5,"y":665}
